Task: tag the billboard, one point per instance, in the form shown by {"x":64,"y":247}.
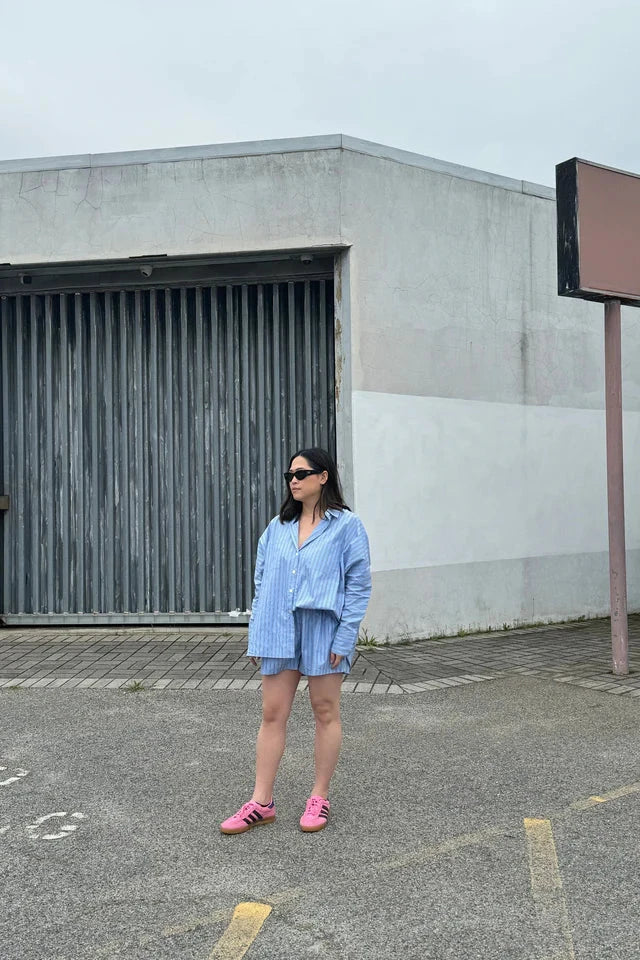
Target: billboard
{"x":598,"y":232}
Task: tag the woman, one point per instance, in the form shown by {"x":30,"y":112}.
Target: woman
{"x":313,"y":582}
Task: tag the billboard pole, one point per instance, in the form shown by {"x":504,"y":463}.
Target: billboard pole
{"x":599,"y":259}
{"x":615,"y":488}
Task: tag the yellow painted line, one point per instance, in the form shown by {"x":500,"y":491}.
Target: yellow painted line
{"x":419,"y":855}
{"x":245,"y":926}
{"x":546,"y":887}
{"x":278,"y":899}
{"x":282,"y":898}
{"x":621,"y":792}
{"x":216,"y":916}
{"x":285,"y":896}
{"x":423,"y":854}
{"x":618,"y":794}
{"x":543,"y":860}
{"x":584,"y":804}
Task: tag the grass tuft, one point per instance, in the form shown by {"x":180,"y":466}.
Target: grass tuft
{"x":366,"y":640}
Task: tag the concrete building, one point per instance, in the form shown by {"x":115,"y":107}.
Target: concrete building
{"x":175,"y":322}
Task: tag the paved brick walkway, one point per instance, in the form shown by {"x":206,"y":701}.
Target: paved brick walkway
{"x":575,"y":653}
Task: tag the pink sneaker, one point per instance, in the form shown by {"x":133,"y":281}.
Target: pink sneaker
{"x":315,"y":815}
{"x":250,"y":814}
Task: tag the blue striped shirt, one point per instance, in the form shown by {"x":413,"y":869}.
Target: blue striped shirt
{"x":330,"y":571}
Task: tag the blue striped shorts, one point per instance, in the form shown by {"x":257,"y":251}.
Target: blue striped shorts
{"x":315,"y":631}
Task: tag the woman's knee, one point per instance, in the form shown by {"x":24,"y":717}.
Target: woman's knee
{"x":326,"y":710}
{"x":278,"y":692}
{"x":274,"y":714}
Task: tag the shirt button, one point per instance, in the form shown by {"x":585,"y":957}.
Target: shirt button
{"x":290,"y":591}
{"x":293,"y":571}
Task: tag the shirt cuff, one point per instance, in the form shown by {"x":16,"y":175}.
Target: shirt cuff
{"x":344,"y":642}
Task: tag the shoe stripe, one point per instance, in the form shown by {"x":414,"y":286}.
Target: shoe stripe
{"x":258,"y":815}
{"x":248,"y":820}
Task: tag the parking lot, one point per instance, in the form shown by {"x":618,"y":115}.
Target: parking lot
{"x":494,"y":819}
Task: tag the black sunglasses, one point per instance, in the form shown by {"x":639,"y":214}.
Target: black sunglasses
{"x":299,"y":474}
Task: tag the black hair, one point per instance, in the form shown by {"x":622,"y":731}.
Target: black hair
{"x":331,"y":497}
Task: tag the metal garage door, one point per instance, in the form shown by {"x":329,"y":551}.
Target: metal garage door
{"x":145,"y":433}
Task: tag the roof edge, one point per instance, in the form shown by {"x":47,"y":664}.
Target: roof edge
{"x":255,"y":148}
{"x":447,"y":168}
{"x":210,"y":151}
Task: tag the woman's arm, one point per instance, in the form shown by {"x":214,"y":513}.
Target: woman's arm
{"x":257,"y":578}
{"x":357,"y":590}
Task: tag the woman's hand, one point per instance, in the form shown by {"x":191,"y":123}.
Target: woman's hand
{"x":334,"y":659}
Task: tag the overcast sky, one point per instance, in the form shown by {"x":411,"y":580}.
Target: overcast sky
{"x":509,"y":87}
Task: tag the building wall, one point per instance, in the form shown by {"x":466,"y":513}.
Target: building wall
{"x":220,"y":199}
{"x":194,"y":206}
{"x":478,"y":407}
{"x":474,"y":393}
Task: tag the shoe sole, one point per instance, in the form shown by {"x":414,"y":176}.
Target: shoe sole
{"x":313,"y":829}
{"x":249,"y":826}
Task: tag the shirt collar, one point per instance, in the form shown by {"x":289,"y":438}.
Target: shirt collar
{"x":331,"y":514}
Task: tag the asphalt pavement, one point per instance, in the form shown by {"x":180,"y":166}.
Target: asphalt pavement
{"x":480,"y":820}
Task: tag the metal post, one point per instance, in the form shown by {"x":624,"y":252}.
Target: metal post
{"x":615,"y":488}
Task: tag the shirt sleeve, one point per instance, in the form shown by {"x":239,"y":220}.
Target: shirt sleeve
{"x":257,"y":578}
{"x":357,"y":590}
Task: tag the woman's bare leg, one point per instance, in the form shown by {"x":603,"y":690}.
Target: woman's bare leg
{"x":325,"y":700}
{"x":278,"y":692}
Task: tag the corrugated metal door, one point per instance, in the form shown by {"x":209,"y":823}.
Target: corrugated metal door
{"x":145,"y":433}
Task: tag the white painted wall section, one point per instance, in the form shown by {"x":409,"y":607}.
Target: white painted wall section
{"x":443,"y":481}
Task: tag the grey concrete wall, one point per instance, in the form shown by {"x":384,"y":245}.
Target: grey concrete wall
{"x":455,"y":284}
{"x":470,"y":404}
{"x":195,"y":206}
{"x":478,"y":406}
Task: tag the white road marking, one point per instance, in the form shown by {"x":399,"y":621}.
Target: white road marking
{"x":65,"y":828}
{"x":19,"y":774}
